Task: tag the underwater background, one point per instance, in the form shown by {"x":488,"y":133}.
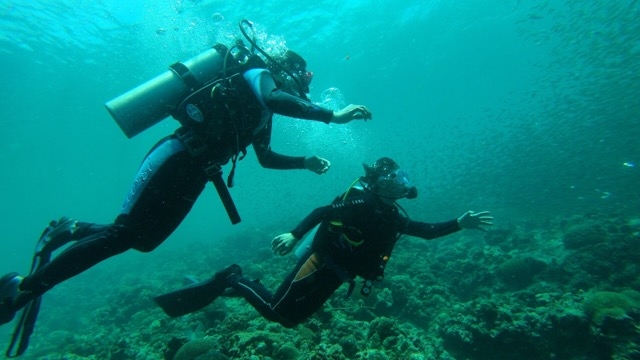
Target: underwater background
{"x":528,"y":109}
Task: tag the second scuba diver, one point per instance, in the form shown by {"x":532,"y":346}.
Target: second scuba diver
{"x":355,"y":236}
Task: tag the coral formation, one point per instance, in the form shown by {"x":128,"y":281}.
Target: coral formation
{"x":199,"y":349}
{"x":519,"y":272}
{"x":604,"y":304}
{"x":531,"y":293}
{"x":582,"y":235}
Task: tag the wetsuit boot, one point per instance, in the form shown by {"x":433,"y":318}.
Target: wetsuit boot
{"x":9,"y":289}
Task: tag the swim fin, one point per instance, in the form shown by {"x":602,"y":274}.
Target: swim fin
{"x":196,"y":296}
{"x":54,"y":236}
{"x":228,"y":293}
{"x":24,"y":328}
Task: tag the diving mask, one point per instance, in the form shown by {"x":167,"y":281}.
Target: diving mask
{"x":395,"y":185}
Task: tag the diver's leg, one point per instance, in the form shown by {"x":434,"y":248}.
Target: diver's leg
{"x":309,"y":289}
{"x":304,"y":291}
{"x":256,"y":295}
{"x":164,"y":191}
{"x":154,"y":209}
{"x":75,"y":259}
{"x":15,"y":293}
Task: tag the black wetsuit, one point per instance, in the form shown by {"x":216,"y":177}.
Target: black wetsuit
{"x":171,"y":178}
{"x":355,"y":238}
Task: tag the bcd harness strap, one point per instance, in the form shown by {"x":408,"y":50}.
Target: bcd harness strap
{"x":384,"y":257}
{"x":196,"y":148}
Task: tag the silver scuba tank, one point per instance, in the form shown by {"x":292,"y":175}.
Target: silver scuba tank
{"x":147,"y":104}
{"x":304,"y":249}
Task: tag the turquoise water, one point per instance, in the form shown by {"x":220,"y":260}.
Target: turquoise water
{"x":529,"y":109}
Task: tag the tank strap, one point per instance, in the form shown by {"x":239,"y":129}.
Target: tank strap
{"x":194,"y":143}
{"x":186,"y":75}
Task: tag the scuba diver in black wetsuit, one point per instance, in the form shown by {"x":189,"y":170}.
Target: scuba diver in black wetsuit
{"x":220,"y":118}
{"x":355,"y":236}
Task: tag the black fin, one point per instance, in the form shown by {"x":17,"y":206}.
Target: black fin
{"x":189,"y":298}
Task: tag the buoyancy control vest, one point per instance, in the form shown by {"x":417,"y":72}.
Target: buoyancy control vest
{"x":218,"y":123}
{"x":223,"y":114}
{"x":360,"y":235}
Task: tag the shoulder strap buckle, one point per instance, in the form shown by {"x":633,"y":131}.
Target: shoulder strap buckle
{"x":194,"y":144}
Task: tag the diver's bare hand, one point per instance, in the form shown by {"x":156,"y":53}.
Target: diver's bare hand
{"x":351,"y":112}
{"x":283,"y":244}
{"x":316,"y":164}
{"x":475,"y":220}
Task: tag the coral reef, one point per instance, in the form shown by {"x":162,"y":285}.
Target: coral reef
{"x":513,"y":294}
{"x":519,"y":272}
